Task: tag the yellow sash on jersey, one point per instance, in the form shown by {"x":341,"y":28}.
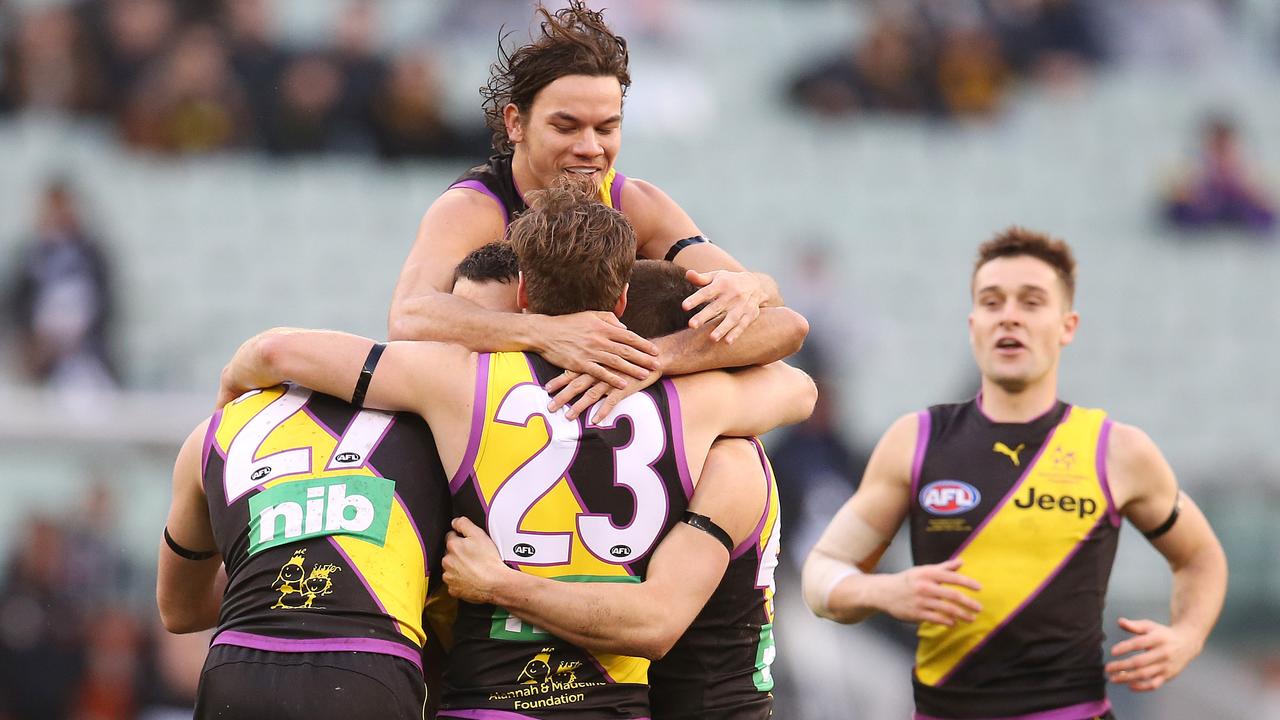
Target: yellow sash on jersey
{"x":606,"y":187}
{"x":1024,"y":541}
{"x":395,"y":572}
{"x":503,"y":449}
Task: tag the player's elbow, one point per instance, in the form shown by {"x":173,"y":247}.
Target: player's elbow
{"x":804,"y":397}
{"x":656,"y":641}
{"x":180,"y":617}
{"x":797,"y":329}
{"x":400,"y":322}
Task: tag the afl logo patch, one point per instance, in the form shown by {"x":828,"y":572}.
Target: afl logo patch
{"x":949,"y":497}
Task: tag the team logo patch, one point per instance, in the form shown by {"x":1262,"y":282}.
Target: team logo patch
{"x":949,"y":497}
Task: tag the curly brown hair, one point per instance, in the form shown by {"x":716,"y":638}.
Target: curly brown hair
{"x":575,"y":252}
{"x":572,"y":41}
{"x":1017,"y":241}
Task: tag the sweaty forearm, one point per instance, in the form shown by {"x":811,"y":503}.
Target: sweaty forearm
{"x":599,"y":616}
{"x":776,"y":334}
{"x":443,"y":317}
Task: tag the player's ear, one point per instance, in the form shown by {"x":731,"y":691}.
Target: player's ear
{"x":513,"y":122}
{"x":522,"y":295}
{"x":1070,"y":321}
{"x":621,"y":306}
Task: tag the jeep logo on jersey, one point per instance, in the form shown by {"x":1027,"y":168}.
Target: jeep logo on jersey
{"x":949,"y":497}
{"x":524,"y":550}
{"x":347,"y":457}
{"x":356,"y":505}
{"x":620,"y":551}
{"x":260,"y":473}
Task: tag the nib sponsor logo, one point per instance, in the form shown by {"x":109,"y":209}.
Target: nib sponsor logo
{"x":949,"y":497}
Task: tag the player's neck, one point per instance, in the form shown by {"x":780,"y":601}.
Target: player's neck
{"x":521,"y":174}
{"x":1005,"y":406}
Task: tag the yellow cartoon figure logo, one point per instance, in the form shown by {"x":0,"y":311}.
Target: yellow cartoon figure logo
{"x":297,"y":590}
{"x":319,"y":583}
{"x":538,"y":670}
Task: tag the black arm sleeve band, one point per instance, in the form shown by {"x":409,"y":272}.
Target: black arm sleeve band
{"x":366,"y":373}
{"x":1165,"y":526}
{"x":706,"y":525}
{"x":185,"y":553}
{"x":682,"y":244}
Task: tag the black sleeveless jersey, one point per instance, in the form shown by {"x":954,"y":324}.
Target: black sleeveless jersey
{"x":721,"y":666}
{"x":569,"y":500}
{"x":494,"y":179}
{"x":1027,"y":508}
{"x":330,"y":520}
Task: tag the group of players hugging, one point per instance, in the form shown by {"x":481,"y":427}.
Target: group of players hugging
{"x":544,"y":497}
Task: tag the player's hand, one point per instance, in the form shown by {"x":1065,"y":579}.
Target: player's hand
{"x":596,"y":344}
{"x":1160,"y":653}
{"x":580,"y":392}
{"x":246,"y":371}
{"x":927,"y":593}
{"x":732,"y":297}
{"x":472,"y":565}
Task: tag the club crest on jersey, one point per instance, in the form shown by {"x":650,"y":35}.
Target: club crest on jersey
{"x":949,"y":497}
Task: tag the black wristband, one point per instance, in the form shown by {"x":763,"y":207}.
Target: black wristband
{"x":708,"y":526}
{"x":1165,"y":526}
{"x":682,"y":244}
{"x":185,"y":553}
{"x":366,"y":373}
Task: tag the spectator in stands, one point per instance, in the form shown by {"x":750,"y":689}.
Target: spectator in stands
{"x":41,"y":637}
{"x":363,"y":69}
{"x":191,"y":102}
{"x":1055,"y":41}
{"x":888,"y":71}
{"x":131,"y":35}
{"x":49,"y":64}
{"x":408,"y":115}
{"x":1220,"y":192}
{"x":306,"y":116}
{"x":62,"y":298}
{"x":257,"y":57}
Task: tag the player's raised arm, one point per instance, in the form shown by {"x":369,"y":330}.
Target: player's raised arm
{"x":188,"y":578}
{"x":458,"y":222}
{"x":778,"y":334}
{"x":644,"y":619}
{"x":838,"y":579}
{"x":743,"y":403}
{"x":664,"y":231}
{"x":1149,"y":497}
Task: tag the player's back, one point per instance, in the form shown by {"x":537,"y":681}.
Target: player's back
{"x":330,"y":521}
{"x":721,"y":666}
{"x":566,"y":499}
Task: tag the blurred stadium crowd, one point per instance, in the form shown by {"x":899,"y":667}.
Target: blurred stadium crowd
{"x":78,"y":632}
{"x":190,"y":77}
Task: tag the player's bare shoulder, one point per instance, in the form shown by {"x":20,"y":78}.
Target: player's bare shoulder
{"x":892,"y":460}
{"x":655,"y":217}
{"x":1136,"y":469}
{"x":461,"y":210}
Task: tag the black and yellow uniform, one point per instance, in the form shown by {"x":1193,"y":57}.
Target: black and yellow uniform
{"x":494,"y":179}
{"x":330,"y":520}
{"x":1027,"y":508}
{"x":563,"y":499}
{"x":720,"y":668}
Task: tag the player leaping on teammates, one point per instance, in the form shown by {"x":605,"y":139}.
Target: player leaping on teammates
{"x":553,"y":492}
{"x":1014,"y":501}
{"x":555,"y":108}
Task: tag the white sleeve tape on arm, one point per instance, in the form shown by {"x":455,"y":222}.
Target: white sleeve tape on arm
{"x":847,"y":541}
